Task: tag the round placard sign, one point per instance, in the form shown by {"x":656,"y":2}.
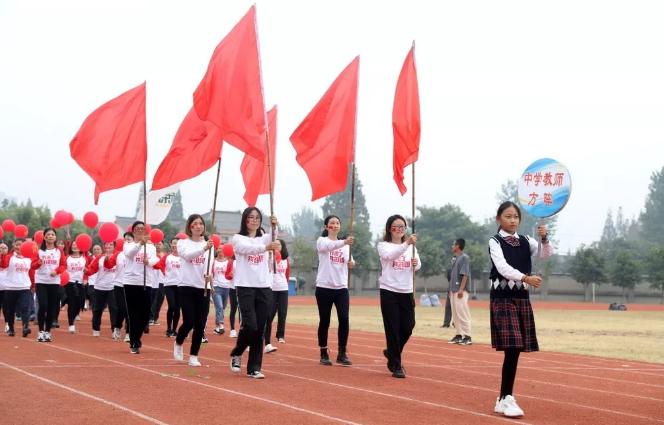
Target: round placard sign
{"x":544,"y":188}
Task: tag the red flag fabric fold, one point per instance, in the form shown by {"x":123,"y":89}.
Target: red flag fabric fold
{"x":111,"y":145}
{"x":406,"y":120}
{"x":195,"y":148}
{"x":254,"y":172}
{"x":325,"y":140}
{"x":230,"y":94}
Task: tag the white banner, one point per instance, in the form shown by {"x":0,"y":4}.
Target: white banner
{"x":159,"y":204}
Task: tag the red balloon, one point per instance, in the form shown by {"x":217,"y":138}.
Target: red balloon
{"x":148,"y":228}
{"x":8,"y":225}
{"x":119,"y":244}
{"x":28,"y":249}
{"x":181,"y":235}
{"x":90,"y":219}
{"x":84,"y":242}
{"x":61,"y":217}
{"x":64,"y":278}
{"x":54,"y":223}
{"x":108,"y":232}
{"x":216,"y":240}
{"x":21,"y":231}
{"x":38,"y":236}
{"x":2,"y":233}
{"x":129,"y":228}
{"x":70,"y":218}
{"x":156,"y":235}
{"x":227,"y":249}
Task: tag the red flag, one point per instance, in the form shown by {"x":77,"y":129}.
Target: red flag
{"x":195,"y":148}
{"x":325,"y":140}
{"x":254,"y":172}
{"x":406,"y":120}
{"x":111,"y":144}
{"x":231,"y":94}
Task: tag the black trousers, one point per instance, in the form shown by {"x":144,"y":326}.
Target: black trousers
{"x":62,"y":298}
{"x":448,"y":310}
{"x":120,"y":307}
{"x":280,"y":306}
{"x":102,"y":300}
{"x":2,"y":299}
{"x":255,"y":304}
{"x":138,"y":311}
{"x":326,"y":298}
{"x":48,"y":296}
{"x":232,"y":296}
{"x":195,"y":308}
{"x":74,"y":297}
{"x":157,"y":301}
{"x":398,"y":320}
{"x":16,"y":302}
{"x":173,"y":312}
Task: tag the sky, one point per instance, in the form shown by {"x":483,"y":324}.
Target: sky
{"x":501,"y":85}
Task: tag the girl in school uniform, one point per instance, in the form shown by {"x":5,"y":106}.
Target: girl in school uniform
{"x":104,"y":267}
{"x":332,"y":288}
{"x":396,"y":290}
{"x":221,"y":287}
{"x":16,"y":288}
{"x":512,"y":321}
{"x":172,"y":278}
{"x":232,"y":296}
{"x":51,"y":261}
{"x":141,"y":257}
{"x":279,"y":299}
{"x":193,"y":290}
{"x":252,"y":283}
{"x":76,"y":263}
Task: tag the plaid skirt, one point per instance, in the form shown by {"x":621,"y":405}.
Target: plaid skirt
{"x":513,"y":324}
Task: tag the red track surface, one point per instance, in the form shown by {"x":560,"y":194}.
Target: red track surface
{"x":82,"y":379}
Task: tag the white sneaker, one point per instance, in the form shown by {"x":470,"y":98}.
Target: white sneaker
{"x":508,"y":407}
{"x":281,"y":341}
{"x":6,"y":327}
{"x":41,"y":337}
{"x":236,"y":362}
{"x":116,"y":334}
{"x":256,"y":375}
{"x":269,"y":349}
{"x":78,"y":318}
{"x":96,"y":333}
{"x":72,"y":329}
{"x":178,"y":352}
{"x":233,"y":334}
{"x":127,"y":339}
{"x":48,"y":337}
{"x":193,"y":361}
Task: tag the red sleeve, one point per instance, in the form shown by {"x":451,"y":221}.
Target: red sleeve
{"x":31,"y":275}
{"x":4,"y":260}
{"x":287,"y":269}
{"x":161,"y":264}
{"x":229,"y":270}
{"x":63,"y":263}
{"x":110,"y":262}
{"x":93,"y":267}
{"x":35,"y":264}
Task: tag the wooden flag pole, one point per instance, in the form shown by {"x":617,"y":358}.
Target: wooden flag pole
{"x":213,"y":214}
{"x":413,"y":223}
{"x":145,"y":224}
{"x":270,"y":184}
{"x":352,"y":217}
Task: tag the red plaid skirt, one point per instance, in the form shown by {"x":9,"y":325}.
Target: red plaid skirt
{"x":513,"y":324}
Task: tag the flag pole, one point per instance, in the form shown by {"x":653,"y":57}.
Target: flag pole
{"x":413,"y":223}
{"x":145,"y":246}
{"x":212,"y":216}
{"x":352,"y":216}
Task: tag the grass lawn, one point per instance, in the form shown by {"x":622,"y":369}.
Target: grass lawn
{"x":632,"y":335}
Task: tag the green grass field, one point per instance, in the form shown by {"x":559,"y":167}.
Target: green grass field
{"x":631,"y":335}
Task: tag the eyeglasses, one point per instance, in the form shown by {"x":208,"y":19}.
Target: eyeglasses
{"x":398,"y":227}
{"x":253,"y":217}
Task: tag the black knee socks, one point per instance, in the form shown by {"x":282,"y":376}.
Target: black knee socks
{"x":509,"y":372}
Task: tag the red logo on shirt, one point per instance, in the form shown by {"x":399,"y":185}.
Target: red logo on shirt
{"x":401,"y":263}
{"x":255,"y":259}
{"x":21,"y":267}
{"x":337,"y":256}
{"x":198,"y":260}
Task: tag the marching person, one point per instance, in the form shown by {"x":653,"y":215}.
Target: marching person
{"x":49,"y":263}
{"x":16,"y":287}
{"x":232,"y":296}
{"x":172,"y":278}
{"x":119,"y":297}
{"x":279,"y":299}
{"x":76,"y":263}
{"x":221,"y":289}
{"x":104,"y":267}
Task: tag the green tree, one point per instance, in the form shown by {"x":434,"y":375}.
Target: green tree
{"x":304,"y":259}
{"x":652,"y":217}
{"x":609,"y":233}
{"x":36,"y":218}
{"x":306,"y":224}
{"x":509,"y":192}
{"x":587,"y":267}
{"x":176,"y":214}
{"x":654,"y":265}
{"x":625,"y":272}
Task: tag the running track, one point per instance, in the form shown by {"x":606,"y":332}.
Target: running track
{"x":82,"y":379}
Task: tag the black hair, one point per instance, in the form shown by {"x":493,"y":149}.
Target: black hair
{"x":190,"y":220}
{"x":388,"y":225}
{"x":125,"y":234}
{"x":327,"y":220}
{"x":43,"y":244}
{"x":243,"y":225}
{"x":461,"y":243}
{"x":136,"y":223}
{"x":505,"y":205}
{"x":284,"y":250}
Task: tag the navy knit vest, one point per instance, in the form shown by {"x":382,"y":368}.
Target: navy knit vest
{"x":519,"y":258}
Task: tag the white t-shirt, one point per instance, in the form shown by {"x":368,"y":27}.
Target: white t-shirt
{"x":3,"y":279}
{"x":133,"y":272}
{"x":193,"y":262}
{"x":219,"y":272}
{"x":76,"y":268}
{"x":50,"y":259}
{"x":92,"y":279}
{"x":104,"y":277}
{"x":120,"y":262}
{"x":173,"y":267}
{"x":333,"y":257}
{"x":279,"y":280}
{"x":251,"y":261}
{"x":396,"y":263}
{"x":18,"y":277}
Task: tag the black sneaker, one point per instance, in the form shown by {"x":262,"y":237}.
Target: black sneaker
{"x":390,"y":366}
{"x":26,"y":332}
{"x":343,"y":359}
{"x":444,"y":326}
{"x":456,"y":340}
{"x":147,"y":329}
{"x":325,"y":357}
{"x":55,"y":325}
{"x":10,"y":332}
{"x":467,"y":340}
{"x":134,"y":350}
{"x":399,"y":373}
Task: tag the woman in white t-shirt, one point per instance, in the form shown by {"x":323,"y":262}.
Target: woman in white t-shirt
{"x":252,"y":279}
{"x":16,"y":287}
{"x":194,"y":287}
{"x":51,"y":263}
{"x":221,"y":287}
{"x":279,"y":299}
{"x":172,"y":279}
{"x":397,"y":304}
{"x":76,"y":263}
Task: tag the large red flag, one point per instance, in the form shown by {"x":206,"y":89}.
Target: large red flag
{"x":195,"y":148}
{"x":325,"y":140}
{"x":406,"y":120}
{"x":111,"y":144}
{"x":255,"y":172}
{"x":230,"y":94}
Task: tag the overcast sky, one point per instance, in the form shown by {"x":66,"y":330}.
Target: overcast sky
{"x":501,"y":84}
